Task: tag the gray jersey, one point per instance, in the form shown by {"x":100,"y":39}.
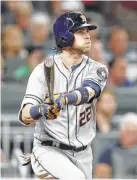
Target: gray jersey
{"x":76,"y":125}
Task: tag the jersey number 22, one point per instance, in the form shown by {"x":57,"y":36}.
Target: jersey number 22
{"x":85,"y":116}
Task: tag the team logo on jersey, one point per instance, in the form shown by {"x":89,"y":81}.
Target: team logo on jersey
{"x":102,"y":73}
{"x":83,"y":18}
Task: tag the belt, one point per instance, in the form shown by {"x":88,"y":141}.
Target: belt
{"x":63,"y":146}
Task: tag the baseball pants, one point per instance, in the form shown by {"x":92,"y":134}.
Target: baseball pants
{"x":49,"y":161}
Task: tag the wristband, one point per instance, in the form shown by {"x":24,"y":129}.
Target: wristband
{"x":78,"y":96}
{"x":70,"y":98}
{"x":35,"y":112}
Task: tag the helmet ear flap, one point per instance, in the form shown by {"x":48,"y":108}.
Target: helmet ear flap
{"x":66,"y":39}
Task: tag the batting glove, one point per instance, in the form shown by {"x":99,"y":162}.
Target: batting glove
{"x":50,"y":112}
{"x":59,"y":101}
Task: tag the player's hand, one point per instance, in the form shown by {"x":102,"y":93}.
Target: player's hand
{"x":50,"y":112}
{"x":59,"y":101}
{"x":53,"y":112}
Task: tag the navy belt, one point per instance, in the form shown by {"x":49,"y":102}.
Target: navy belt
{"x":63,"y":146}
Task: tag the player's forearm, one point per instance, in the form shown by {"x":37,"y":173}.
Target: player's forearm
{"x":32,"y":113}
{"x":26,"y":117}
{"x":87,"y":92}
{"x":79,"y":96}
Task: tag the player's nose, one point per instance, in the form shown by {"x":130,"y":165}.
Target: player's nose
{"x":87,"y":35}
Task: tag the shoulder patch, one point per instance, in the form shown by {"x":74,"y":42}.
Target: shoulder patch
{"x":102,"y":73}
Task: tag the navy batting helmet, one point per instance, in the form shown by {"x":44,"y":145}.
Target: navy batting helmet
{"x":65,"y":24}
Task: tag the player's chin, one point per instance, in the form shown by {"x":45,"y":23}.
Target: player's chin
{"x":86,"y":50}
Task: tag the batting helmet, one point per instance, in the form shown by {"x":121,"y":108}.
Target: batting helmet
{"x":65,"y":24}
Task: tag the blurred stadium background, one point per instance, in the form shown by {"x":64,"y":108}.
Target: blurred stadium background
{"x":27,"y":38}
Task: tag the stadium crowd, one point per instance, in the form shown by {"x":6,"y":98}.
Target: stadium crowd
{"x":27,"y":39}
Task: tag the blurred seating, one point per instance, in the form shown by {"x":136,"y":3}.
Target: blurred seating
{"x":101,"y":141}
{"x":15,"y":140}
{"x":124,"y":162}
{"x":126,"y":99}
{"x":11,"y":97}
{"x":15,"y":136}
{"x":133,"y":46}
{"x":14,"y":167}
{"x":107,"y":166}
{"x":7,"y":170}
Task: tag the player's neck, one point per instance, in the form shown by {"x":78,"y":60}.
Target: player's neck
{"x":71,"y":58}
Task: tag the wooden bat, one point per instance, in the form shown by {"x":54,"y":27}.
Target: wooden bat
{"x":49,"y":77}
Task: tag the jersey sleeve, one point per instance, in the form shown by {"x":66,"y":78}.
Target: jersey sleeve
{"x":36,"y":89}
{"x":97,"y":75}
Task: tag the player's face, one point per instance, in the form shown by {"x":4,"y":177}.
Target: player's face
{"x":82,"y":42}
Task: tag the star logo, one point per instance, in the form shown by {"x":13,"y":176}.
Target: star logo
{"x":83,"y":18}
{"x":102,"y":73}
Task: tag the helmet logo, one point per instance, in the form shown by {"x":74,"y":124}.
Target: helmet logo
{"x":71,"y":21}
{"x":83,"y":18}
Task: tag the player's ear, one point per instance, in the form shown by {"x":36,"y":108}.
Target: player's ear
{"x":66,"y":40}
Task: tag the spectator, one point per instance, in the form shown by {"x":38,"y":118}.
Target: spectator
{"x":41,"y":6}
{"x":37,"y":46}
{"x":55,"y":8}
{"x":106,"y":108}
{"x":39,"y":29}
{"x":9,"y":9}
{"x":35,"y":58}
{"x":23,"y":17}
{"x":97,"y":49}
{"x":13,"y":52}
{"x":128,"y":139}
{"x":125,"y":12}
{"x":117,"y":73}
{"x":12,"y":41}
{"x":118,"y":45}
{"x":92,"y":5}
{"x":39,"y":43}
{"x":66,"y":6}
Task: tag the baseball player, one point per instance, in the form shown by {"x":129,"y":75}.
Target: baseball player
{"x":65,"y":128}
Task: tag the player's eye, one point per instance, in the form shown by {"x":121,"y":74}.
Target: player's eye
{"x":87,"y":31}
{"x":81,"y":32}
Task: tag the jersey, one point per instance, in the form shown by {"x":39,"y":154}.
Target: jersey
{"x":75,"y":125}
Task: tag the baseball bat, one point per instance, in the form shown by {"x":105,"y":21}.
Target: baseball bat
{"x":49,"y":77}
